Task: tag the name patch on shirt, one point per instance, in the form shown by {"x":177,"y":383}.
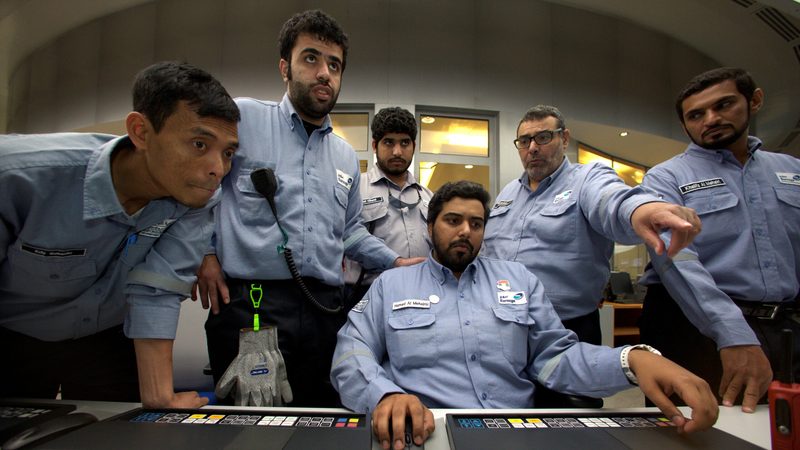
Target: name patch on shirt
{"x":502,"y":204}
{"x":700,"y":185}
{"x":512,"y":298}
{"x":788,"y":178}
{"x":411,"y":303}
{"x":372,"y":201}
{"x":52,"y":252}
{"x":562,"y":196}
{"x":155,"y":231}
{"x":344,"y":179}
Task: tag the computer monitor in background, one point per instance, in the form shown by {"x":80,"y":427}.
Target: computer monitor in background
{"x":621,"y":288}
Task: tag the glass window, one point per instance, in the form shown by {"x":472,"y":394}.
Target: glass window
{"x":454,"y":136}
{"x":434,"y":174}
{"x":353,"y":127}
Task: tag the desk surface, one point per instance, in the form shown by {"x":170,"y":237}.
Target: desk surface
{"x":750,"y":427}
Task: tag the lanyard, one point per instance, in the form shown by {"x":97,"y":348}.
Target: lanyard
{"x":256,"y":294}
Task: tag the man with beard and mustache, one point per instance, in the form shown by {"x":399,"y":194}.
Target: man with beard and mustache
{"x":726,"y":297}
{"x":245,"y":276}
{"x":467,"y":331}
{"x":395,"y":206}
{"x":561,"y":220}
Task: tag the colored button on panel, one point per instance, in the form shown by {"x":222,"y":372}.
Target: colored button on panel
{"x":352,"y":425}
{"x":340,"y":424}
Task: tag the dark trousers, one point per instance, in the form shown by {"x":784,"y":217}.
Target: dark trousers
{"x":587,"y":327}
{"x":97,"y":367}
{"x":664,"y":326}
{"x":306,"y":335}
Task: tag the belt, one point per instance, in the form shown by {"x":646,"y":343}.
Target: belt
{"x":767,"y":310}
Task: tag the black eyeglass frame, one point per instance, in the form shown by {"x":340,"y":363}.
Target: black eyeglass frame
{"x":546,"y":138}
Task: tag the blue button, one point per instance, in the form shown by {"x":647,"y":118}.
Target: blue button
{"x":309,"y":199}
{"x":467,"y":322}
{"x":308,"y":259}
{"x":310,"y":228}
{"x":473,"y":358}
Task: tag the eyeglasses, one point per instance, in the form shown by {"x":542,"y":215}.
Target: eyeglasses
{"x":541,"y":138}
{"x":399,"y":204}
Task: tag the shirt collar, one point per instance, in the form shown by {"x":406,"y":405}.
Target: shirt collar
{"x":440,"y":272}
{"x":293,"y":119}
{"x":376,"y":175}
{"x":753,"y":144}
{"x":525,"y":182}
{"x":99,"y":196}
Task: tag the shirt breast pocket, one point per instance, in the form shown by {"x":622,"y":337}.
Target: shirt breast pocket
{"x":514,"y":324}
{"x":374,"y":211}
{"x":412,"y":340}
{"x":51,"y":277}
{"x":253,"y":207}
{"x":789,"y":203}
{"x":556,"y":223}
{"x":716,"y":212}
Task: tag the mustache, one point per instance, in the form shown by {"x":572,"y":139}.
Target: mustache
{"x":716,"y":129}
{"x":462,"y":242}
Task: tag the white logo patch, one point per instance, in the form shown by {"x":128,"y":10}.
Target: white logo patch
{"x":512,"y":298}
{"x":788,"y":178}
{"x":155,"y":231}
{"x":344,"y":179}
{"x":360,"y":306}
{"x":702,"y":184}
{"x":562,"y":196}
{"x":411,"y":303}
{"x":373,"y":200}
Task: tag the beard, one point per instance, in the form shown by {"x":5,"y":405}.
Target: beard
{"x":723,"y":142}
{"x":304,"y":101}
{"x":394,"y":170}
{"x":456,"y":260}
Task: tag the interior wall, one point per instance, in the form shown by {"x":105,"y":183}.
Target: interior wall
{"x":503,"y":56}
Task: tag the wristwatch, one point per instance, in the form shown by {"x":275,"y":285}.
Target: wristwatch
{"x":626,"y":367}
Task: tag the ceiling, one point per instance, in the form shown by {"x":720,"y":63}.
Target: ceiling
{"x":760,"y":35}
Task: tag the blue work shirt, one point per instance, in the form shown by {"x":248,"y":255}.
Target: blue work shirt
{"x":70,"y":256}
{"x":749,"y":248}
{"x":474,"y":342}
{"x":317,"y":200}
{"x":564,"y":232}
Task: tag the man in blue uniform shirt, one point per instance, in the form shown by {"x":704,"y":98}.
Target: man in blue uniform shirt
{"x":561,"y":219}
{"x":97,"y":230}
{"x":730,"y":293}
{"x":318,"y":207}
{"x":467,"y":331}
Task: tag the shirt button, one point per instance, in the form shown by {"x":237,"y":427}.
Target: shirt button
{"x":308,"y":172}
{"x":309,"y":199}
{"x":473,"y":358}
{"x":467,"y":322}
{"x":308,"y":259}
{"x":310,"y":228}
{"x":410,"y":321}
{"x":484,"y":396}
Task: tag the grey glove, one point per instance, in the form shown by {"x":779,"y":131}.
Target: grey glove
{"x":257,"y":376}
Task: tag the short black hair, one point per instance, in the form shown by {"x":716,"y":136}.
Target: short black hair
{"x":158,"y":88}
{"x":744,"y":84}
{"x":315,"y":23}
{"x":461,"y":189}
{"x":541,"y":112}
{"x":394,"y":120}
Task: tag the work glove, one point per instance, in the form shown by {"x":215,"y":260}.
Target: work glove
{"x":257,"y":376}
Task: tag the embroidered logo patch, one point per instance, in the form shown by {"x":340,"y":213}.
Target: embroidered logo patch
{"x":344,"y":179}
{"x":512,"y":298}
{"x":702,"y":184}
{"x":502,"y":204}
{"x":155,"y":231}
{"x":360,"y":306}
{"x":788,"y":178}
{"x":503,"y":285}
{"x":562,"y":196}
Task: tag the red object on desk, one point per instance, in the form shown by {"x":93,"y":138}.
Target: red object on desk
{"x":784,"y":402}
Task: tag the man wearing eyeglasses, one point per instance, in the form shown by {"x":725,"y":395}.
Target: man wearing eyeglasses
{"x":394,"y":205}
{"x":561,"y":221}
